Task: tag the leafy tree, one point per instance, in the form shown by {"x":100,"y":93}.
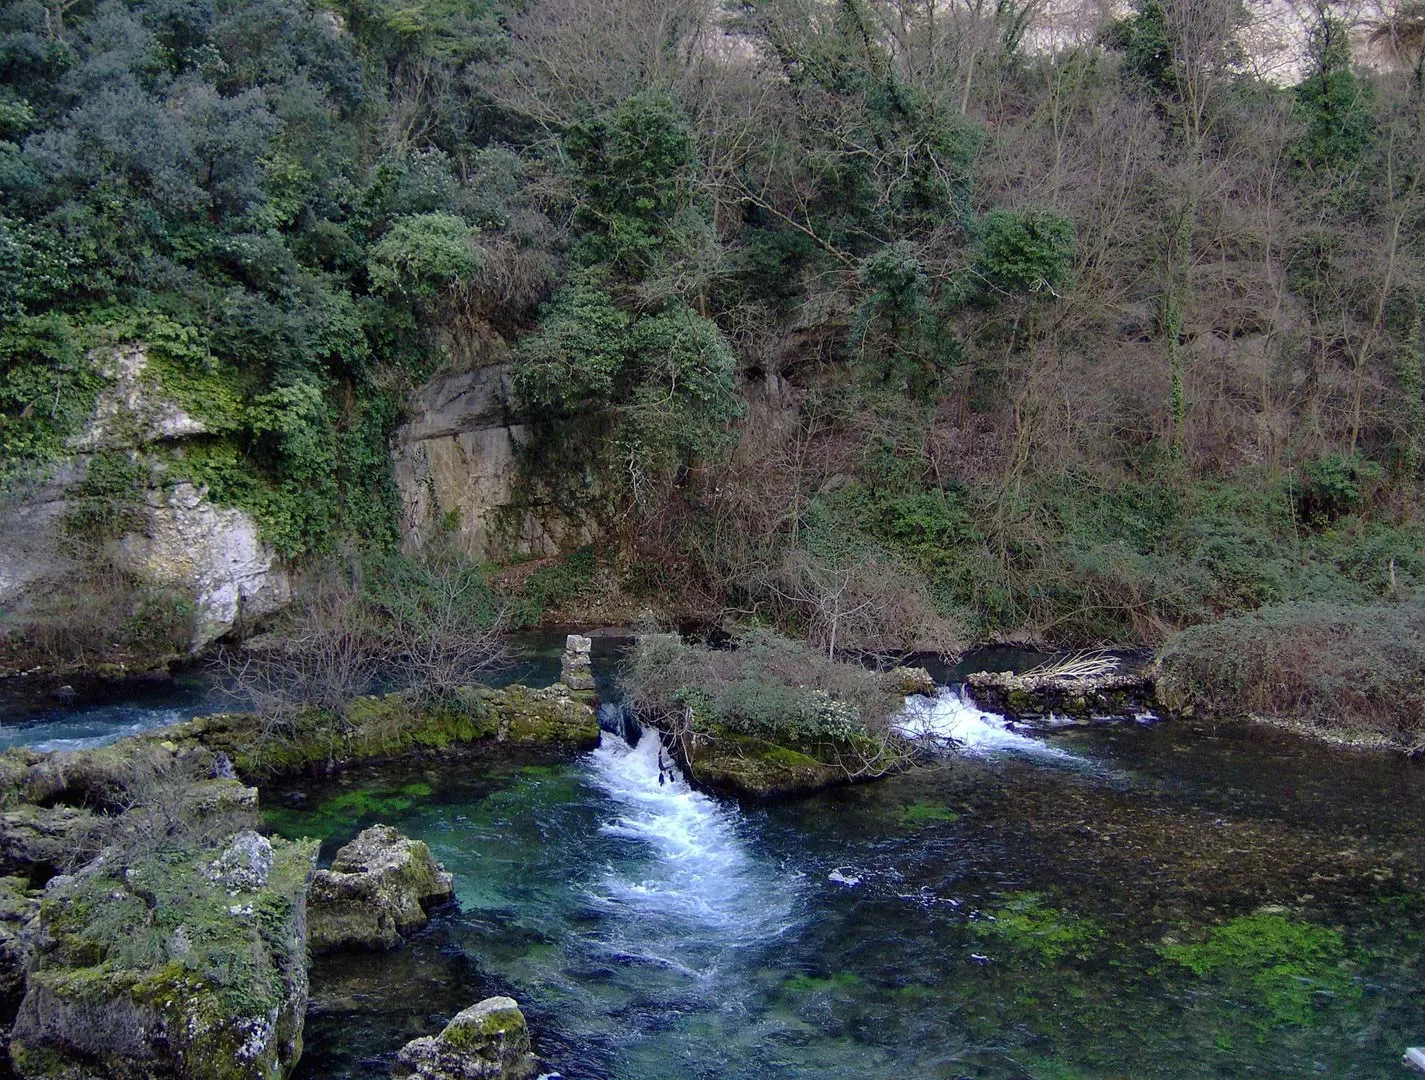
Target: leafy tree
{"x":424,"y":255}
{"x":1024,"y":250}
{"x":1334,"y":105}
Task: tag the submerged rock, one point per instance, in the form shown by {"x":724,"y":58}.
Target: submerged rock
{"x":488,"y":1041}
{"x":380,"y":886}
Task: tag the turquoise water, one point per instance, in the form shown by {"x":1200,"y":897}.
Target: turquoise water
{"x":1168,"y":901}
{"x":1174,"y":900}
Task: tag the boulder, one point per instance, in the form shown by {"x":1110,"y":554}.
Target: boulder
{"x":244,"y":864}
{"x":488,"y":1041}
{"x":577,"y":668}
{"x":911,"y":680}
{"x":144,"y":968}
{"x":379,"y":887}
{"x":38,"y":841}
{"x":17,"y":907}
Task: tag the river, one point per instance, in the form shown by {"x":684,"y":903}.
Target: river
{"x":1163,"y":900}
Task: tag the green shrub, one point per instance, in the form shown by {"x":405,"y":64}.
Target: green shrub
{"x":1025,"y":250}
{"x":423,"y":255}
{"x":1335,"y":485}
{"x":553,"y":586}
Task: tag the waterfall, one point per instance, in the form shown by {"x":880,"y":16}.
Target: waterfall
{"x":686,"y":865}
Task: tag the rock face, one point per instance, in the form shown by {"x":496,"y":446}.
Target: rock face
{"x":456,"y":465}
{"x":379,"y":887}
{"x":175,"y":538}
{"x":214,"y":552}
{"x":488,"y":1041}
{"x":128,"y":411}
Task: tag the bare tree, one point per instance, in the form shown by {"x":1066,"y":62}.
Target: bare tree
{"x":344,"y":640}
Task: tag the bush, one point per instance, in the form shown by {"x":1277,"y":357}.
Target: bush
{"x":429,"y":624}
{"x":1334,"y":485}
{"x":765,"y":685}
{"x":1332,"y":666}
{"x":1025,"y":250}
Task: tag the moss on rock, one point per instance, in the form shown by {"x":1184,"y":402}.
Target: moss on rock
{"x":378,"y":888}
{"x":157,"y":967}
{"x":399,"y":725}
{"x":731,"y":763}
{"x":488,"y":1041}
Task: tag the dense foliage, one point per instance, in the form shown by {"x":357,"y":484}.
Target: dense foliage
{"x":853,"y":315}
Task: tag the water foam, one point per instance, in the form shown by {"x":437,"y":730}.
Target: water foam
{"x":696,"y":869}
{"x":951,"y":720}
{"x":84,"y":729}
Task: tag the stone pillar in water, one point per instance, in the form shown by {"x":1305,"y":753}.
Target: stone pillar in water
{"x":577,"y":669}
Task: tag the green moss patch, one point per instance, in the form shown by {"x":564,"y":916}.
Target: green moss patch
{"x":920,"y":814}
{"x":1288,"y":968}
{"x":1030,"y":926}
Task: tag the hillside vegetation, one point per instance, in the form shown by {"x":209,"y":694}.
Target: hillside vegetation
{"x":861,"y":317}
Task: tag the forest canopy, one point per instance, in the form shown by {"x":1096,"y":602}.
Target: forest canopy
{"x":866,"y":313}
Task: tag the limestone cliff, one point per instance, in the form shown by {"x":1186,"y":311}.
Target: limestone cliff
{"x":170,"y":534}
{"x":455,"y":462}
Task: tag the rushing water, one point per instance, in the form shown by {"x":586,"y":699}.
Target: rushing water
{"x":1171,"y":900}
{"x":1166,"y":901}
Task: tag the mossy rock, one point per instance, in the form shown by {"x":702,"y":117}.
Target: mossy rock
{"x":400,"y":725}
{"x":487,"y":1041}
{"x":155,"y":969}
{"x":380,"y":886}
{"x":730,"y":763}
{"x":554,"y":716}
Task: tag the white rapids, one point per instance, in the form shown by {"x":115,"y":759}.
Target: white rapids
{"x":950,"y":720}
{"x":692,"y":866}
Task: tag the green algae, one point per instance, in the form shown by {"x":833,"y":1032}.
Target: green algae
{"x":922,"y":813}
{"x":840,"y":982}
{"x":339,"y":813}
{"x":1026,"y":924}
{"x":1293,"y":968}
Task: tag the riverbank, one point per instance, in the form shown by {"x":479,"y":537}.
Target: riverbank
{"x":146,"y":920}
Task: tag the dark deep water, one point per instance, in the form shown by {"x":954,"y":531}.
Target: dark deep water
{"x":1176,"y":900}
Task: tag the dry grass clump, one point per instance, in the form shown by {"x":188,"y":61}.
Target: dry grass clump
{"x":766,"y":684}
{"x":1335,"y":667}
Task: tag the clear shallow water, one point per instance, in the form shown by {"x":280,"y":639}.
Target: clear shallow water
{"x":1009,"y":914}
{"x":1180,"y":900}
